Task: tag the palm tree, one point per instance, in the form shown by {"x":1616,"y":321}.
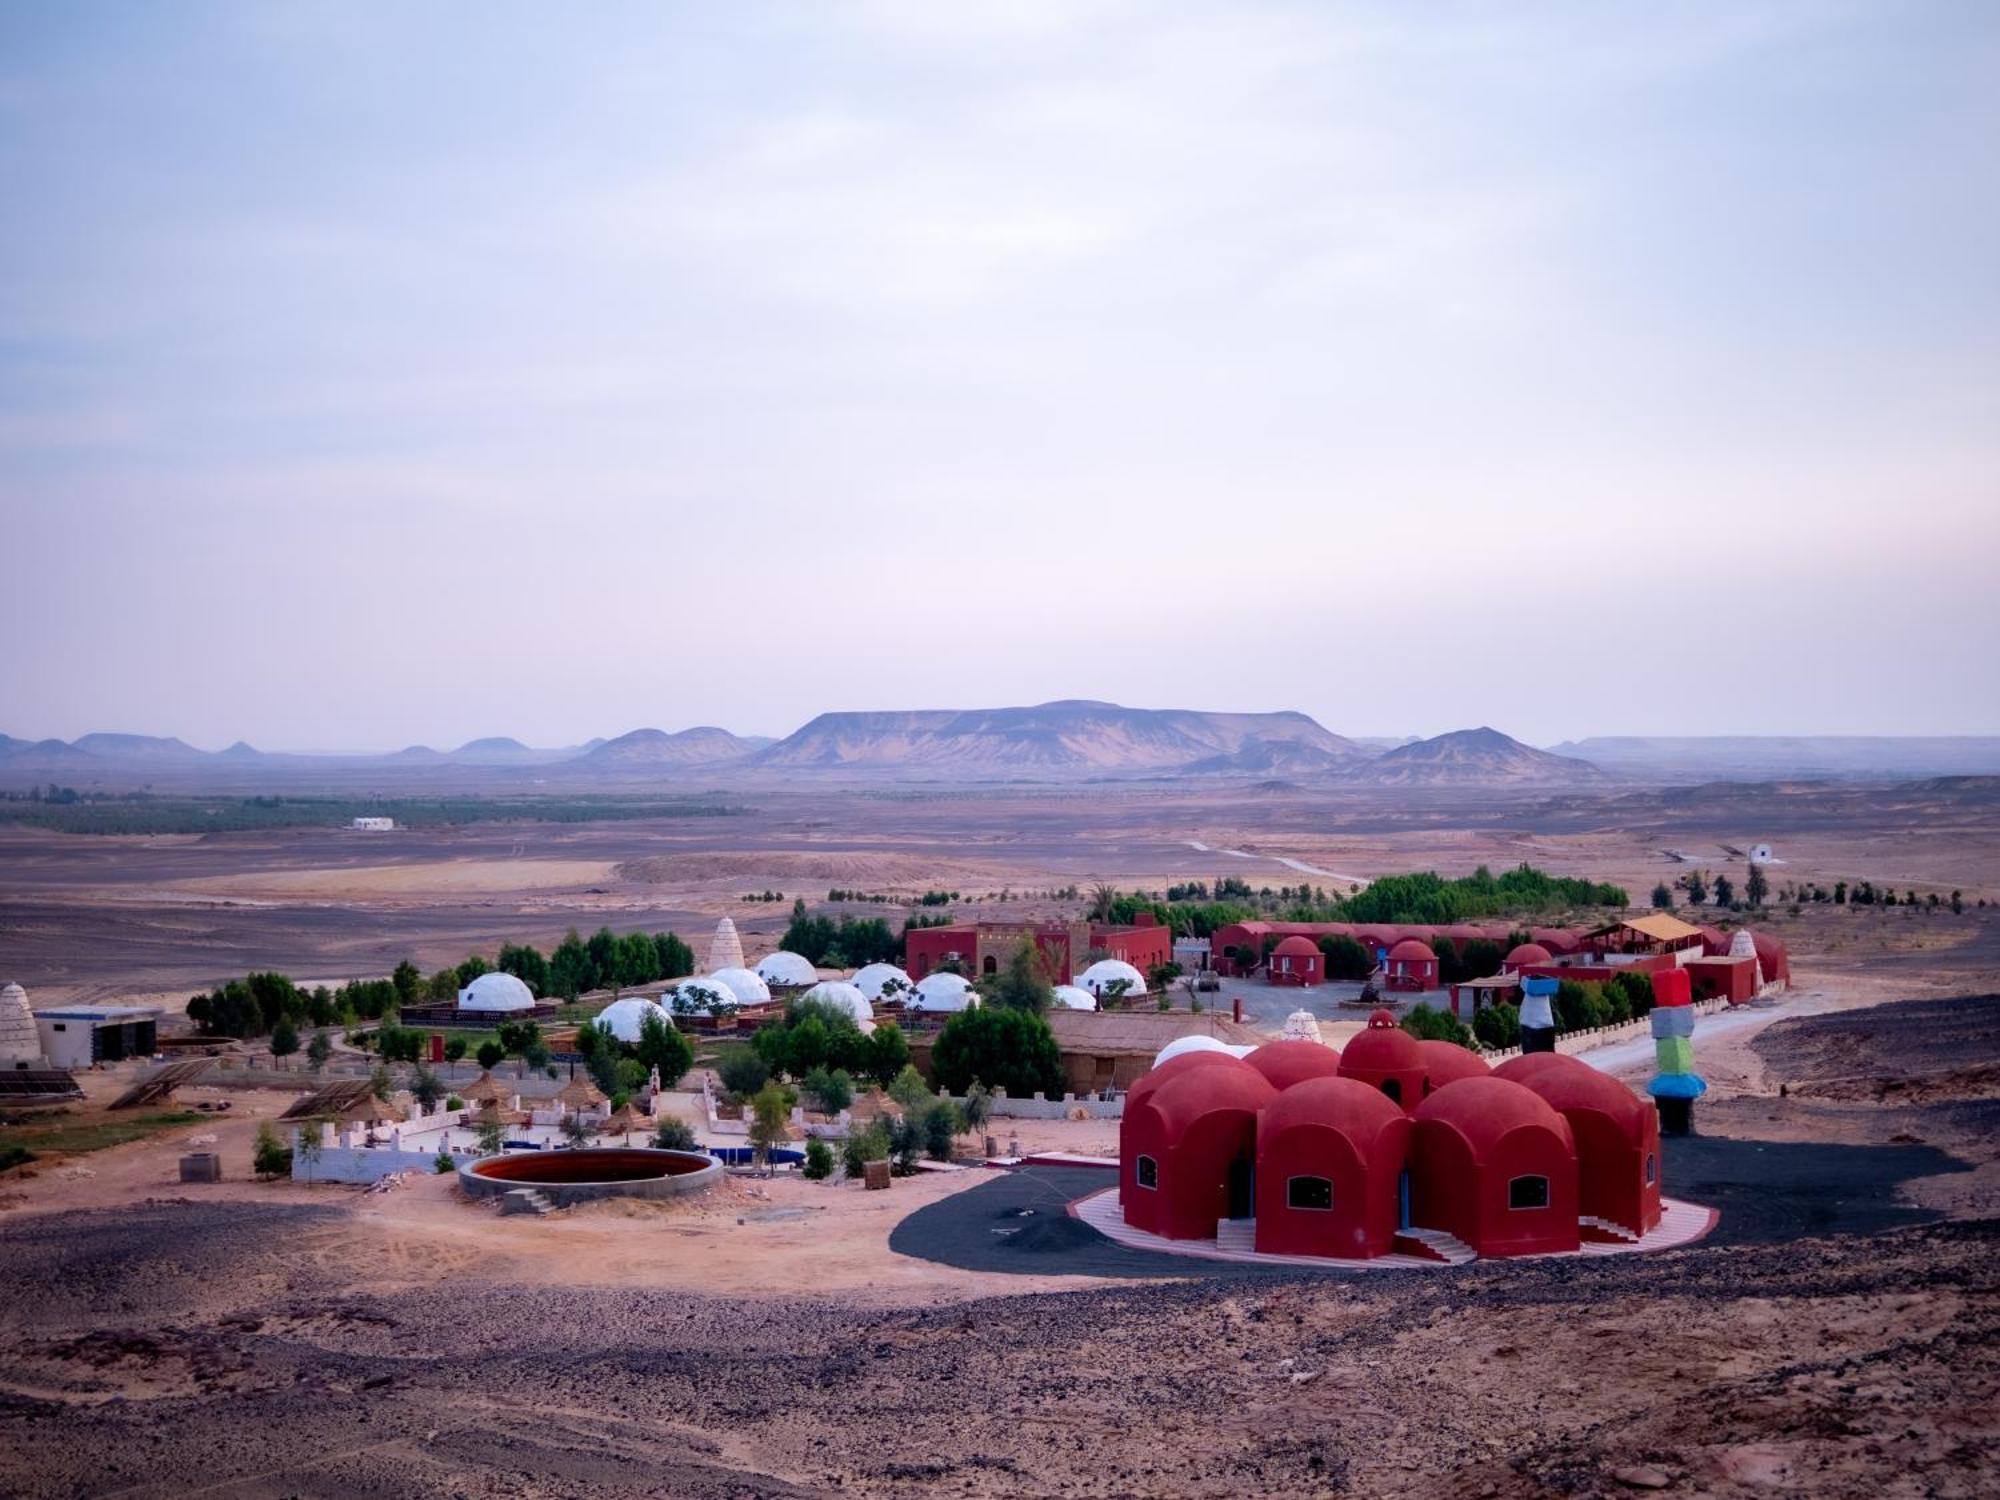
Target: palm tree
{"x":1102,"y":897}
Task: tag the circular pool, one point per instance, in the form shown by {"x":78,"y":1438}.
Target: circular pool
{"x":583,"y":1176}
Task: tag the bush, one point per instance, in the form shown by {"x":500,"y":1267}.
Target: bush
{"x":831,"y":1091}
{"x":889,"y":1052}
{"x":940,"y":1129}
{"x":1346,"y":959}
{"x":870,"y":1143}
{"x":673,"y":1134}
{"x":1498,"y":1027}
{"x":1632,"y":991}
{"x":662,"y":1046}
{"x":743,"y":1073}
{"x":819,"y":1160}
{"x":443,"y":1163}
{"x":1009,"y":1049}
{"x":1427,"y":1024}
{"x":909,"y":1089}
{"x":271,"y":1158}
{"x":490,"y":1055}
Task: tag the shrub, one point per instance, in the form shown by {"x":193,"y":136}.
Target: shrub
{"x":443,"y":1163}
{"x":865,"y":1145}
{"x":831,"y":1090}
{"x":490,"y":1054}
{"x":1346,"y":959}
{"x":1431,"y":1025}
{"x":743,"y":1073}
{"x":271,"y":1157}
{"x":454,"y":1102}
{"x":819,"y":1160}
{"x":1010,"y":1049}
{"x":940,"y":1129}
{"x":673,"y":1134}
{"x":1498,"y":1026}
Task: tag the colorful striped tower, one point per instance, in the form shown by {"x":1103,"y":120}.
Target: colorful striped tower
{"x":1676,"y":1085}
{"x":1538,"y":1020}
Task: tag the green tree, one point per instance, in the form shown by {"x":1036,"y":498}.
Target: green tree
{"x":769,"y":1117}
{"x":819,"y":1161}
{"x":574,"y":1130}
{"x":1696,"y":885}
{"x":909,"y":1089}
{"x":492,"y":1133}
{"x":409,"y":982}
{"x":318,"y":1050}
{"x":570,"y":972}
{"x":284,"y":1038}
{"x":1346,"y":960}
{"x":525,"y":963}
{"x":1498,"y":1027}
{"x":662,"y":1046}
{"x":311,"y":1141}
{"x":673,"y":958}
{"x":1427,"y":1023}
{"x":674,"y":1134}
{"x":454,"y":1049}
{"x":830,"y":1089}
{"x":474,"y":965}
{"x":743,"y":1073}
{"x":888,"y":1052}
{"x":443,"y":987}
{"x":1663,"y":897}
{"x":1755,"y":886}
{"x":1010,"y":1049}
{"x":271,"y":1157}
{"x":490,"y":1054}
{"x":426,"y":1089}
{"x":379,"y":1083}
{"x":1725,"y":891}
{"x":941,"y":1121}
{"x":1024,"y":983}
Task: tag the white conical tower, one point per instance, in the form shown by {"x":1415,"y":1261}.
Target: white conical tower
{"x":725,"y":949}
{"x":20,"y":1043}
{"x":1301,"y":1027}
{"x":1743,"y":945}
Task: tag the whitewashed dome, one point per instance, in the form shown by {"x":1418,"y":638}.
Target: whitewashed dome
{"x":790,"y":970}
{"x":496,"y":992}
{"x":19,"y":1041}
{"x":1181,"y":1046}
{"x":873,"y":979}
{"x":846,"y":998}
{"x":744,"y":985}
{"x":725,"y":949}
{"x":1109,"y":971}
{"x":1742,"y":944}
{"x":623,"y":1018}
{"x":1074,"y":997}
{"x":943,"y":991}
{"x":700,"y":997}
{"x":1301,"y":1026}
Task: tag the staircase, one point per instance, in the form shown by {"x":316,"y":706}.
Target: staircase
{"x":525,"y":1201}
{"x":1595,"y":1228}
{"x":1435,"y":1244}
{"x":1238,"y":1235}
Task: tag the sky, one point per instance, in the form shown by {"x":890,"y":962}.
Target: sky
{"x":375,"y":374}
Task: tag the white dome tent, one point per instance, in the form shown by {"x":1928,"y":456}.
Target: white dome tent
{"x":624,"y":1018}
{"x":744,"y":985}
{"x":882,"y":982}
{"x":844,"y":997}
{"x":1074,"y":997}
{"x":1181,"y":1046}
{"x":942,"y":992}
{"x":786,"y":970}
{"x":497,"y":993}
{"x":701,"y":997}
{"x":1108,"y":971}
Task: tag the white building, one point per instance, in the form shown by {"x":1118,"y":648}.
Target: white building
{"x":78,"y":1035}
{"x":375,"y":825}
{"x":496,"y":992}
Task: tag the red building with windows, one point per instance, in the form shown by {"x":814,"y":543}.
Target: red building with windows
{"x":1412,"y":967}
{"x":1330,"y":1158}
{"x":1617,"y":1137}
{"x":984,"y":948}
{"x":1296,"y":960}
{"x":1492,"y":1165}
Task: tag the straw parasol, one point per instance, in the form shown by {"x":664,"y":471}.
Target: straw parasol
{"x":579,"y":1094}
{"x":483,"y":1090}
{"x":628,"y":1121}
{"x":368,"y":1110}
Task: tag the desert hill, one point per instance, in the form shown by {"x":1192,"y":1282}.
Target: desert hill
{"x":703,"y":745}
{"x":1468,"y":757}
{"x":1074,"y":735}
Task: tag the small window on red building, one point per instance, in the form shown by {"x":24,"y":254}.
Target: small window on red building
{"x":1393,"y":1088}
{"x":1309,"y":1192}
{"x":1650,"y":1169}
{"x":1528,"y":1192}
{"x":1147,"y":1172}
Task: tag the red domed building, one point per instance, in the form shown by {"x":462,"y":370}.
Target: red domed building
{"x":1772,"y":958}
{"x":1525,"y":955}
{"x":1617,"y":1136}
{"x":1330,"y":1158}
{"x":1296,"y":960}
{"x":1188,"y":1150}
{"x":1386,"y":1057}
{"x":1492,"y":1164}
{"x":1447,"y":1062}
{"x":1286,"y":1063}
{"x":1411,"y":966}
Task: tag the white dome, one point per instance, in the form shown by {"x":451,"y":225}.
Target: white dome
{"x":1301,"y":1026}
{"x":623,"y":1018}
{"x":744,"y":985}
{"x":943,"y":991}
{"x":1108,"y":971}
{"x":1741,"y":944}
{"x":874,"y":978}
{"x":844,"y":997}
{"x":1074,"y":997}
{"x":1181,"y":1046}
{"x":496,"y":992}
{"x":19,"y":1041}
{"x":788,"y":969}
{"x":725,"y":949}
{"x":700,"y":997}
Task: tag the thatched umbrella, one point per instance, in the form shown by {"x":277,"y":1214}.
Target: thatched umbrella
{"x":368,"y":1110}
{"x":579,"y":1094}
{"x":628,"y":1121}
{"x":483,"y":1090}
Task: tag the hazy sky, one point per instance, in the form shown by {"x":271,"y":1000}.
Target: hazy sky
{"x":373,"y":374}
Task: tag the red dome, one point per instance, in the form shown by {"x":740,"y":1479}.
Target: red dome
{"x":1284,"y":1064}
{"x":1346,"y":1104}
{"x":1485,"y":1110}
{"x":1382,"y":1050}
{"x":1447,"y":1062}
{"x":1172,"y":1068}
{"x":1567,"y":1083}
{"x":1772,"y":958}
{"x":1181,"y":1101}
{"x":1412,"y":950}
{"x":1383,"y":1019}
{"x":1297,"y":947}
{"x":1528,"y":953}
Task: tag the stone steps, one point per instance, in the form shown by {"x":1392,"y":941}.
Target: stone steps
{"x":525,"y":1201}
{"x":1448,"y":1248}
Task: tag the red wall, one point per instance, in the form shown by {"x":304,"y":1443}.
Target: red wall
{"x":1362,"y":1221}
{"x":1193,"y":1191}
{"x":1452,"y":1190}
{"x":1143,"y":948}
{"x":1731,"y":979}
{"x":924,"y":948}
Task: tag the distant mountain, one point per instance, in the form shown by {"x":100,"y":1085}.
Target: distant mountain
{"x":138,"y":747}
{"x":1473,"y":757}
{"x":1074,"y":736}
{"x":495,"y":749}
{"x":701,"y":746}
{"x":1762,"y":757}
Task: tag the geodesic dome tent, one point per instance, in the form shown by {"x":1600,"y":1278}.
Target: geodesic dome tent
{"x":787,"y":970}
{"x":496,"y":992}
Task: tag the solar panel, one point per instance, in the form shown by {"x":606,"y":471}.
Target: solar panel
{"x":38,"y":1085}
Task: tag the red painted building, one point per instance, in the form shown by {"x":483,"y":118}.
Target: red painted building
{"x":1286,"y":1063}
{"x":1412,"y":967}
{"x":1330,"y":1158}
{"x":984,"y":948}
{"x":1494,"y":1166}
{"x":1386,"y":1057}
{"x":1617,"y":1137}
{"x":1297,"y":961}
{"x":1188,"y":1150}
